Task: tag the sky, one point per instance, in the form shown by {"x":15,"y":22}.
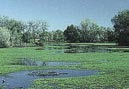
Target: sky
{"x":61,"y":13}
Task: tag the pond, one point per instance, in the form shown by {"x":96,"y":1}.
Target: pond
{"x":31,"y":62}
{"x":86,"y":49}
{"x":75,"y":48}
{"x":24,"y":79}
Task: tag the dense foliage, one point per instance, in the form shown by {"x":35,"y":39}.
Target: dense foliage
{"x":71,"y":34}
{"x":121,"y":25}
{"x":88,"y":31}
{"x":4,"y":37}
{"x":21,"y":32}
{"x":36,"y":32}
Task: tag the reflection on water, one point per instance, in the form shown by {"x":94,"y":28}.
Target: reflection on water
{"x":85,"y":49}
{"x":23,"y":79}
{"x":74,"y":48}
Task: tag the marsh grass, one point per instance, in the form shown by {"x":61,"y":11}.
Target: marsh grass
{"x":113,"y":67}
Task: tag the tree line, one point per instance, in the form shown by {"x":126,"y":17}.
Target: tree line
{"x":18,"y":33}
{"x":89,"y":32}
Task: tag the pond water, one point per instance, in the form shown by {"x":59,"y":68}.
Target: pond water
{"x":30,"y":62}
{"x":85,"y":49}
{"x":24,"y":79}
{"x":72,"y":48}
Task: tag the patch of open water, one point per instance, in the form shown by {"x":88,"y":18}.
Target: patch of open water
{"x":30,"y":62}
{"x":24,"y":79}
{"x":72,"y":48}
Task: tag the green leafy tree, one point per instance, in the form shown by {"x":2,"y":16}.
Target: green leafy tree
{"x":121,"y":25}
{"x":110,"y":35}
{"x":42,"y":31}
{"x":58,"y":36}
{"x":33,"y":28}
{"x":44,"y":36}
{"x":84,"y":31}
{"x":37,"y":29}
{"x":102,"y":34}
{"x":71,"y":34}
{"x":4,"y":37}
{"x":15,"y":27}
{"x":90,"y":31}
{"x":26,"y":37}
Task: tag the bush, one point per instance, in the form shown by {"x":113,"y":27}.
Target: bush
{"x":4,"y":37}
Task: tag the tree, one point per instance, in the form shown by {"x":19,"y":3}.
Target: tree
{"x":4,"y":37}
{"x":37,"y":29}
{"x":15,"y":27}
{"x":43,"y":34}
{"x":58,"y":36}
{"x":121,"y":25}
{"x":71,"y":34}
{"x":90,"y":31}
{"x":33,"y":28}
{"x":26,"y":37}
{"x":23,"y":32}
{"x":110,"y":35}
{"x":84,"y":30}
{"x":102,"y":35}
{"x":94,"y":32}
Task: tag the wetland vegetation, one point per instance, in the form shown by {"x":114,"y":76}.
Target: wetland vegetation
{"x":87,"y":56}
{"x":112,"y":68}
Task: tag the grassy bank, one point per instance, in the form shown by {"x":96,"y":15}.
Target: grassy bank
{"x":113,"y":67}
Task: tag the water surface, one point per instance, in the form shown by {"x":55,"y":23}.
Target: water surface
{"x":23,"y":79}
{"x":31,"y":62}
